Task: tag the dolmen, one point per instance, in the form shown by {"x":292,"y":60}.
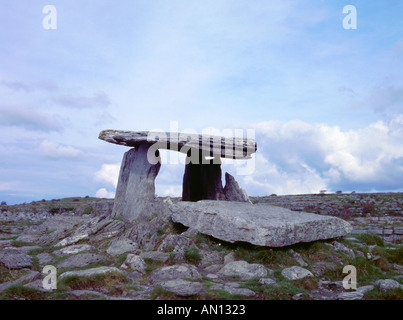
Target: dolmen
{"x":222,"y":212}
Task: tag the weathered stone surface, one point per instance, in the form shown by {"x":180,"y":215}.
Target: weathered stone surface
{"x":155,"y":255}
{"x":31,"y":276}
{"x":202,"y":181}
{"x":388,"y":284}
{"x":174,"y":272}
{"x":352,"y":295}
{"x":120,"y":246}
{"x":232,"y":190}
{"x":134,"y":262}
{"x":45,"y":258}
{"x":13,"y":260}
{"x":226,"y":147}
{"x":296,"y":273}
{"x":80,"y":260}
{"x":259,"y":224}
{"x":90,"y":272}
{"x":136,"y":189}
{"x":75,"y":248}
{"x":243,"y":270}
{"x":183,"y":287}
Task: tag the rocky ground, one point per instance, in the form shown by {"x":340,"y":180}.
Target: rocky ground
{"x":98,"y":257}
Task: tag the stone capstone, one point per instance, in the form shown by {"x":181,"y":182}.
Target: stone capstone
{"x":258,"y":224}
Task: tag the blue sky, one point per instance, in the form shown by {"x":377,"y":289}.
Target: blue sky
{"x":325,"y":103}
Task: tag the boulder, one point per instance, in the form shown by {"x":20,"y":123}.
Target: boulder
{"x":90,"y":272}
{"x":120,"y":246}
{"x":183,"y":287}
{"x":259,"y":224}
{"x":13,"y":260}
{"x":174,"y":272}
{"x":243,"y":270}
{"x":296,"y":273}
{"x":232,"y":191}
{"x":80,"y":260}
{"x":388,"y":284}
{"x":135,"y":191}
{"x":134,"y":262}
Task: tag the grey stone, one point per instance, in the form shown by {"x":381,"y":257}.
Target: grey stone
{"x":120,"y":246}
{"x":341,"y":247}
{"x":243,"y":270}
{"x":226,"y":147}
{"x":267,"y":282}
{"x":176,"y":244}
{"x":183,"y":287}
{"x":90,"y":272}
{"x":232,"y":191}
{"x":174,"y":272}
{"x":365,"y":289}
{"x":230,"y":257}
{"x":296,"y":273}
{"x":31,"y":276}
{"x":75,"y":248}
{"x":136,"y":189}
{"x":321,"y":267}
{"x":351,"y":295}
{"x":387,"y":284}
{"x":80,"y":260}
{"x":28,"y":238}
{"x":155,"y":255}
{"x":135,"y":263}
{"x":45,"y":258}
{"x":298,"y":258}
{"x":15,"y":260}
{"x":259,"y":224}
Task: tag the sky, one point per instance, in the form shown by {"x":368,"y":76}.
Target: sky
{"x":322,"y":97}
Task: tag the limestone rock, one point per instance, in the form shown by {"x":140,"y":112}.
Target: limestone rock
{"x":13,"y":260}
{"x":90,"y":272}
{"x":75,"y":248}
{"x":156,"y":255}
{"x":136,"y":189}
{"x":226,"y":147}
{"x":296,"y":273}
{"x":259,"y":224}
{"x":387,"y":284}
{"x":120,"y":246}
{"x":183,"y":287}
{"x":243,"y":270}
{"x":351,"y":295}
{"x":134,"y":262}
{"x":174,"y":272}
{"x":80,"y":260}
{"x":232,"y":191}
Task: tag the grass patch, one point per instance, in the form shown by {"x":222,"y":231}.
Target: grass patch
{"x":370,"y":239}
{"x":377,"y":294}
{"x":107,"y":281}
{"x":19,"y":292}
{"x":192,"y":255}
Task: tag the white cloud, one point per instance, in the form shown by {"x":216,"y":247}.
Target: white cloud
{"x":55,"y":150}
{"x":296,"y":157}
{"x":109,"y":174}
{"x":28,"y":118}
{"x":103,"y":193}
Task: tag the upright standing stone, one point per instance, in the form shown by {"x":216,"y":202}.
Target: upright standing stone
{"x":136,"y":189}
{"x":232,"y":191}
{"x":202,"y":180}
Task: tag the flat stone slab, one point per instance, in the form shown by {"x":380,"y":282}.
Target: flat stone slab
{"x":258,"y":224}
{"x":226,"y":147}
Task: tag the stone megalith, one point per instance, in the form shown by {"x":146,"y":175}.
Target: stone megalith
{"x":135,"y":191}
{"x":232,"y":191}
